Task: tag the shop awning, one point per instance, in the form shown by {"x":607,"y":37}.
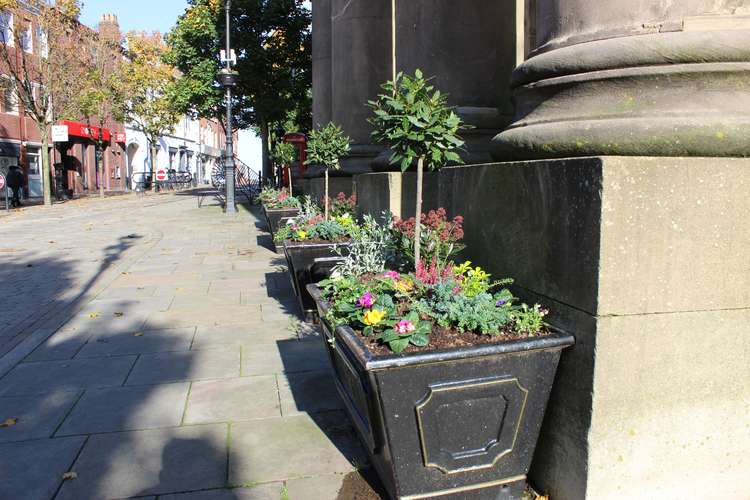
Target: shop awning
{"x":76,"y":129}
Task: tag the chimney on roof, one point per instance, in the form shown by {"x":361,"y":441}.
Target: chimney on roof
{"x":109,"y":27}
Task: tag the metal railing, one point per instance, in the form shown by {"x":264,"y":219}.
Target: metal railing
{"x":247,"y":181}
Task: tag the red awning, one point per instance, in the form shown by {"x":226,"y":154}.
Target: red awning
{"x":76,"y":129}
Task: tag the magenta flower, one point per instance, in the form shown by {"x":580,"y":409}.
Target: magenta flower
{"x":404,"y":326}
{"x":391,"y":274}
{"x":367,"y":300}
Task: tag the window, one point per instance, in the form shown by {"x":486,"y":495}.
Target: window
{"x":41,"y":42}
{"x":6,"y":28}
{"x":10,"y":98}
{"x":26,"y":39}
{"x":172,"y":158}
{"x":33,"y":165}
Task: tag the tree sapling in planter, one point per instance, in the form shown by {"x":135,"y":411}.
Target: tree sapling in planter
{"x":416,"y":121}
{"x":325,"y":147}
{"x":284,"y":154}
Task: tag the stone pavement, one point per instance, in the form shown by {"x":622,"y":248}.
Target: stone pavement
{"x":150,"y":348}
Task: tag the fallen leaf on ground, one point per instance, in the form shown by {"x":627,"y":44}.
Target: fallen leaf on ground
{"x":119,"y":314}
{"x":9,"y":422}
{"x":138,"y":334}
{"x":94,"y":315}
{"x":69,"y":475}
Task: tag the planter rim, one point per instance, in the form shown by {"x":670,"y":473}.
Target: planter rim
{"x":302,"y":244}
{"x":559,"y":339}
{"x":291,"y":209}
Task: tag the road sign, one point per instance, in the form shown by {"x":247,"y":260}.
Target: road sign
{"x":161,"y":175}
{"x":2,"y":181}
{"x":59,"y":133}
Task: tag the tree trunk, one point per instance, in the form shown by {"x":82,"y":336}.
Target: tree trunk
{"x":100,"y":160}
{"x":418,"y":215}
{"x":326,"y":198}
{"x":46,"y":184}
{"x":151,"y":162}
{"x":289,"y":174}
{"x":265,"y":166}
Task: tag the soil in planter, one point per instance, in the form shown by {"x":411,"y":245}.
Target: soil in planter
{"x":361,"y":485}
{"x":445,"y":338}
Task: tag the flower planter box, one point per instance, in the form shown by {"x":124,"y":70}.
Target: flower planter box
{"x":275,"y":215}
{"x":307,"y":264}
{"x":460,"y":422}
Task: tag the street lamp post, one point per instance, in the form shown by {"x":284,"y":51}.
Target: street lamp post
{"x":228,"y":79}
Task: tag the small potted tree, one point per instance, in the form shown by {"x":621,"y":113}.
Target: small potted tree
{"x":416,"y":121}
{"x":283,"y":155}
{"x":325,"y":147}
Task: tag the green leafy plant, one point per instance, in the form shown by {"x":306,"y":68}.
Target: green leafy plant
{"x":416,"y":121}
{"x":277,"y":198}
{"x":284,"y":153}
{"x":326,"y":146}
{"x":370,"y":250}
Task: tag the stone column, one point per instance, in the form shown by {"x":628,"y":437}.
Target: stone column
{"x":632,"y":77}
{"x":321,"y":62}
{"x":360,"y":62}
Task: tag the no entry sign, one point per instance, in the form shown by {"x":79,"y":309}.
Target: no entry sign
{"x":161,"y":175}
{"x":2,"y":181}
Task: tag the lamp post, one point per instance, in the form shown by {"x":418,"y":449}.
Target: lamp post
{"x":228,"y":79}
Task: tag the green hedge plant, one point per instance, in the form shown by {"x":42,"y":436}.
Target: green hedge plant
{"x":325,"y":147}
{"x":415,"y":120}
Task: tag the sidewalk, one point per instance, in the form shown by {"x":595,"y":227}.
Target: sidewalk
{"x":175,"y":370}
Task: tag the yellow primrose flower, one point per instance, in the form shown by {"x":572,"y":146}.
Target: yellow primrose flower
{"x":403,"y":286}
{"x":373,"y":317}
{"x":301,"y":234}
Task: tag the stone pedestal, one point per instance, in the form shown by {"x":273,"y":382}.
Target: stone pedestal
{"x":395,"y":192}
{"x":316,"y":188}
{"x":645,"y":260}
{"x":321,"y":62}
{"x":632,"y":78}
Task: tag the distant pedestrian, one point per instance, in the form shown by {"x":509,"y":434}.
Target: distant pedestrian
{"x":15,"y":183}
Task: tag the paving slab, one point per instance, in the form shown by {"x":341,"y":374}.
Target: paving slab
{"x":248,"y":335}
{"x":127,"y":408}
{"x":309,"y":392}
{"x":166,"y":367}
{"x":148,"y":341}
{"x":33,"y":470}
{"x":236,"y":399}
{"x":271,"y":491}
{"x":59,"y":346}
{"x":55,"y":376}
{"x":290,"y":447}
{"x":131,"y":292}
{"x":315,"y":488}
{"x":204,"y":316}
{"x":285,"y":356}
{"x":127,"y":464}
{"x":35,"y":416}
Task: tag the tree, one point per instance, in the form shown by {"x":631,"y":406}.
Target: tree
{"x":102,"y":97}
{"x":272,"y":40}
{"x":46,"y":79}
{"x":284,"y":155}
{"x":325,"y":147}
{"x":149,"y":85}
{"x":417,"y":122}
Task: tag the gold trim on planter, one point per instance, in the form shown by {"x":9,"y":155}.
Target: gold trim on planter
{"x":462,"y":489}
{"x":458,"y":387}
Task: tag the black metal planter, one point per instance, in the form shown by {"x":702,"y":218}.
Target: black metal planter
{"x":309,"y":263}
{"x":459,"y":424}
{"x":275,"y":215}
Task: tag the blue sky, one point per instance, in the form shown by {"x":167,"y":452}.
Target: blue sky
{"x":149,"y":15}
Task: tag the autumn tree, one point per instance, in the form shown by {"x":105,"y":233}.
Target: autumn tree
{"x":102,"y":97}
{"x":44,"y":64}
{"x":148,"y":85}
{"x":272,"y":40}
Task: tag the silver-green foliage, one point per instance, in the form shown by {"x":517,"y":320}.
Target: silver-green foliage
{"x":326,"y":145}
{"x":370,"y":248}
{"x":416,"y":121}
